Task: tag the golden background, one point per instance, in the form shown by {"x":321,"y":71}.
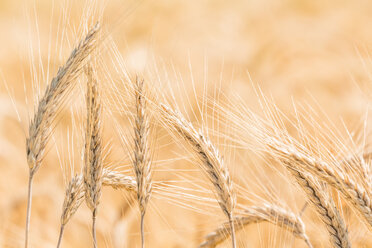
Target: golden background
{"x":308,"y":52}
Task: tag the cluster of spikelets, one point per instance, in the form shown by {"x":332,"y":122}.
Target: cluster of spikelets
{"x":319,"y":161}
{"x":88,"y":184}
{"x":311,"y":173}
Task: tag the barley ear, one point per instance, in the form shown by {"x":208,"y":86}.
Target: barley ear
{"x":265,"y":213}
{"x":324,"y":206}
{"x":41,"y":122}
{"x":211,"y":162}
{"x":117,"y":180}
{"x":74,"y":196}
{"x":141,"y":154}
{"x":93,"y":149}
{"x":355,"y":194}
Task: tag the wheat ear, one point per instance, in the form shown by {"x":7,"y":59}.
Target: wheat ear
{"x":141,"y":158}
{"x":266,"y":213}
{"x":116,"y":180}
{"x":324,"y":206}
{"x":75,"y":193}
{"x":354,"y":193}
{"x":93,"y":149}
{"x":74,"y":196}
{"x":40,"y":125}
{"x":210,"y":161}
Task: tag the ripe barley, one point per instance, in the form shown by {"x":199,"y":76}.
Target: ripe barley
{"x":266,"y":213}
{"x":75,"y":193}
{"x":324,"y":206}
{"x":141,"y":155}
{"x":118,"y":181}
{"x":40,"y":126}
{"x":73,"y":198}
{"x":93,"y":149}
{"x":210,"y":161}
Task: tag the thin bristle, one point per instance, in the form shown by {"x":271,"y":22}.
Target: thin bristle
{"x":266,"y":213}
{"x":359,"y":164}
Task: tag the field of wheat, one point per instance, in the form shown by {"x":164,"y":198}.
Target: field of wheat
{"x":175,"y":123}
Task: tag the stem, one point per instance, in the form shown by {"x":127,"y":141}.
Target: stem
{"x":142,"y":230}
{"x":94,"y":228}
{"x":60,"y":235}
{"x":29,"y":202}
{"x":232,"y":227}
{"x":308,"y":243}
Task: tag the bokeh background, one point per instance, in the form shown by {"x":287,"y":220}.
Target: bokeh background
{"x":308,"y":52}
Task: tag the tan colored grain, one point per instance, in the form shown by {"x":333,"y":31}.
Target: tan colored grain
{"x":40,"y":126}
{"x":324,"y":206}
{"x":266,"y":213}
{"x":118,"y":181}
{"x":210,"y":161}
{"x":74,"y":196}
{"x":353,"y":192}
{"x":41,"y":122}
{"x":93,"y":148}
{"x":75,"y":193}
{"x":141,"y":153}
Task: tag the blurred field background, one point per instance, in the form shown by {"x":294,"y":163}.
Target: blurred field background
{"x":308,"y":52}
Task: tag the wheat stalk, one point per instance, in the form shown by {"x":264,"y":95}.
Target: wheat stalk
{"x":324,"y":206}
{"x":354,"y":193}
{"x":210,"y":161}
{"x":40,"y":125}
{"x":75,"y":193}
{"x":266,"y":213}
{"x":93,"y":149}
{"x":74,"y":196}
{"x":141,"y":158}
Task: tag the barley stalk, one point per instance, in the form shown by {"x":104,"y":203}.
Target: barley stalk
{"x":75,"y":194}
{"x":141,"y":158}
{"x":40,"y":125}
{"x":266,"y":213}
{"x":354,"y":193}
{"x":93,"y":149}
{"x":324,"y":206}
{"x":73,"y":198}
{"x":210,"y":161}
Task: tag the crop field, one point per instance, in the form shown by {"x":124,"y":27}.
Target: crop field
{"x":174,"y":123}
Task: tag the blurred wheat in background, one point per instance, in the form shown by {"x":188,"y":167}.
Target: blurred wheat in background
{"x":175,"y":123}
